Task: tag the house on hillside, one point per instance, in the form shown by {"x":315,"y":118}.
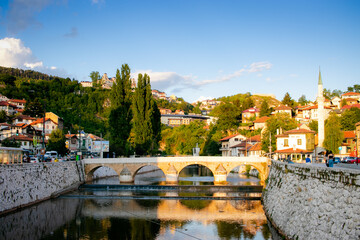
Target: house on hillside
{"x":351,"y":101}
{"x":260,"y":122}
{"x":9,"y":108}
{"x":250,"y":115}
{"x":283,"y":109}
{"x":296,"y":143}
{"x":228,"y":142}
{"x":50,"y":125}
{"x":350,"y":106}
{"x":164,"y":111}
{"x":336,"y":101}
{"x":56,"y":119}
{"x":311,"y":113}
{"x":18,"y":103}
{"x":354,"y":95}
{"x":241,"y":149}
{"x":23,"y":119}
{"x":348,"y":147}
{"x":256,"y":150}
{"x":3,"y":98}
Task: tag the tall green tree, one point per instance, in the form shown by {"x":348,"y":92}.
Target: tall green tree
{"x":313,"y":125}
{"x":349,"y":118}
{"x":95,"y":77}
{"x":3,"y":116}
{"x":343,"y":102}
{"x":121,"y":112}
{"x":57,"y":142}
{"x":229,"y":117}
{"x":146,"y":118}
{"x":302,"y":100}
{"x":34,"y":108}
{"x":279,"y":121}
{"x":288,"y":101}
{"x":265,"y":109}
{"x":333,"y":134}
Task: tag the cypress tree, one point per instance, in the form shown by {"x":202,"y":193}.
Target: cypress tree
{"x":121,"y":112}
{"x":146,"y":118}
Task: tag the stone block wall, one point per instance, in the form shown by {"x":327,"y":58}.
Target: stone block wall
{"x":24,"y":184}
{"x":308,"y":202}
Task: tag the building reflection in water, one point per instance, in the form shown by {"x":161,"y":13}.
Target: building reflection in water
{"x":74,"y":218}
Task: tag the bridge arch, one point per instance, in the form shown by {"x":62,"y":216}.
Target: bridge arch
{"x":262,"y":168}
{"x":89,"y":173}
{"x":136,"y":171}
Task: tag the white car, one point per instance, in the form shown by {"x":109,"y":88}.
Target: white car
{"x":34,"y":160}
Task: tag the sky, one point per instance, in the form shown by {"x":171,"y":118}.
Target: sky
{"x":195,"y":49}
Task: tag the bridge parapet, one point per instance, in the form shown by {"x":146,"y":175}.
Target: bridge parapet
{"x":172,"y":166}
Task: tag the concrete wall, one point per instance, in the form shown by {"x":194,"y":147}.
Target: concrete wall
{"x":24,"y":184}
{"x":308,"y":202}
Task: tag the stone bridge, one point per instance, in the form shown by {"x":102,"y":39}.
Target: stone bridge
{"x":127,"y":168}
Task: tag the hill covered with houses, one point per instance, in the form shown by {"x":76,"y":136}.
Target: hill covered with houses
{"x":245,"y":118}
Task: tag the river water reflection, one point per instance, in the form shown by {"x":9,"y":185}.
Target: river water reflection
{"x":105,"y":214}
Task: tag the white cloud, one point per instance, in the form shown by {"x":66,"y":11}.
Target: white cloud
{"x":33,"y":65}
{"x":254,"y":67}
{"x":176,"y":82}
{"x":202,"y":98}
{"x":14,"y":54}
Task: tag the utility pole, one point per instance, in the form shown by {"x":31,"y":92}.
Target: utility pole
{"x":101,"y":146}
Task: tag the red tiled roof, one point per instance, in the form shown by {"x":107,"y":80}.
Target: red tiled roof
{"x":41,"y":120}
{"x":25,"y":117}
{"x":349,"y":134}
{"x":256,"y":147}
{"x":262,"y":119}
{"x":256,"y":138}
{"x":251,"y":110}
{"x":3,"y":103}
{"x":298,"y":131}
{"x":350,"y":94}
{"x":315,"y":107}
{"x":283,"y":107}
{"x":290,"y":150}
{"x":17,"y":101}
{"x":351,"y":106}
{"x":351,"y":99}
{"x":228,"y":137}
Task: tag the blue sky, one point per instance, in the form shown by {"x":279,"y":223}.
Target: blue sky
{"x":189,"y":48}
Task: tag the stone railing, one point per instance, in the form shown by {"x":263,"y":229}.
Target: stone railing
{"x":25,"y":184}
{"x":309,"y":202}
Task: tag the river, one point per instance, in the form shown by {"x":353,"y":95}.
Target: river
{"x":145,"y":214}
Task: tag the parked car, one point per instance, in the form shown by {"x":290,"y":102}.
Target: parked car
{"x":348,"y":159}
{"x":337,"y":160}
{"x":34,"y":159}
{"x":354,"y":161}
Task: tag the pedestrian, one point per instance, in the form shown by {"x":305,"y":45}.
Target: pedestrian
{"x":307,"y":159}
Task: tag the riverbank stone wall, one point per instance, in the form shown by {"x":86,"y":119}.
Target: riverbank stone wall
{"x":25,"y":184}
{"x":312,"y":202}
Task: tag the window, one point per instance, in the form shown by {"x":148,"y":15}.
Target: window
{"x":286,"y":142}
{"x":299,"y":142}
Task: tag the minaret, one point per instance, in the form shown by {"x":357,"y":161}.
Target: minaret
{"x":321,"y":120}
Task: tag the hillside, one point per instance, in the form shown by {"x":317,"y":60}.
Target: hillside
{"x":273,"y":102}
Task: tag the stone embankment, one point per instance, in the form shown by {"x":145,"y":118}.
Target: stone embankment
{"x":311,"y":202}
{"x":25,"y":184}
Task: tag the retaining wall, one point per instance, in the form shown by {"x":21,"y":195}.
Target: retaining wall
{"x":308,"y":202}
{"x":25,"y":184}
